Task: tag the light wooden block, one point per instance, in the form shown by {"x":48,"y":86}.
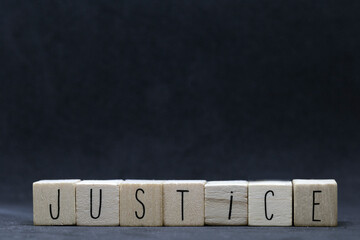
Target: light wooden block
{"x":270,"y":203}
{"x":141,"y":203}
{"x":226,"y":203}
{"x":97,"y":202}
{"x":315,"y":203}
{"x":184,"y":202}
{"x":54,"y":202}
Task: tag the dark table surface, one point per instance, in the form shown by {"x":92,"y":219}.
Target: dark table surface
{"x":16,"y":223}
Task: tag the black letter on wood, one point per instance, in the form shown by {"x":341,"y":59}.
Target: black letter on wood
{"x":182,"y":203}
{"x":313,"y":207}
{"x":143,"y":206}
{"x":57,"y":216}
{"x":272,"y":215}
{"x":91,"y":207}
{"x":231,"y":200}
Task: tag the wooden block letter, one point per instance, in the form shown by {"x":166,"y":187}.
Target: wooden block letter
{"x":315,"y":202}
{"x":54,"y":202}
{"x":97,"y":202}
{"x":270,"y":203}
{"x":226,"y":203}
{"x":141,"y":203}
{"x":184,"y":203}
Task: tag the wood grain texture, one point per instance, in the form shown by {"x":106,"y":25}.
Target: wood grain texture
{"x":184,"y":203}
{"x":226,"y":203}
{"x":270,"y":203}
{"x":315,"y":202}
{"x":141,"y":203}
{"x":60,"y":194}
{"x":97,"y":202}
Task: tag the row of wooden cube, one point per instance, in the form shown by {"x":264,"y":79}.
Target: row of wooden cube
{"x":185,"y":203}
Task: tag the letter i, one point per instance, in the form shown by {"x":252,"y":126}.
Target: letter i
{"x":230,"y":208}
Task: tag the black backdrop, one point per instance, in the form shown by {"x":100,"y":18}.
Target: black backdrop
{"x":249,"y":89}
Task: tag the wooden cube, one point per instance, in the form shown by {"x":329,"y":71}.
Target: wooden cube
{"x":270,"y":203}
{"x":141,"y":203}
{"x":315,"y":202}
{"x":226,"y":203}
{"x":184,"y":202}
{"x":97,"y":202}
{"x":54,"y":202}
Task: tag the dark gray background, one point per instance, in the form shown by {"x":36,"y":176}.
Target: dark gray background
{"x":249,"y":89}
